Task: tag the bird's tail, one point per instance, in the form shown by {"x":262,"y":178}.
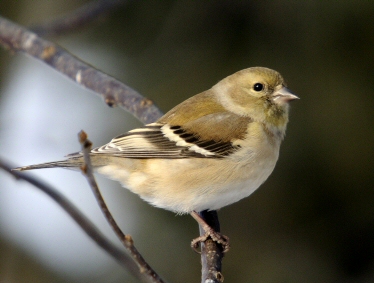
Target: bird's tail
{"x":69,"y":163}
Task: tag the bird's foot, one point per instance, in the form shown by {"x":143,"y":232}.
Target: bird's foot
{"x":215,"y":236}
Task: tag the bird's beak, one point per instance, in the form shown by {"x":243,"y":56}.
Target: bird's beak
{"x":284,"y":95}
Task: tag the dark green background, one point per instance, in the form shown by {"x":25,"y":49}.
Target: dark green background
{"x":313,"y":220}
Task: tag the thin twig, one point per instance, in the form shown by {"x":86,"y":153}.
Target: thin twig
{"x":126,"y":240}
{"x":18,"y":39}
{"x":78,"y":18}
{"x":87,"y":226}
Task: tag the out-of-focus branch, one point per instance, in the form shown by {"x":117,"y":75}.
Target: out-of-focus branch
{"x":87,"y":226}
{"x":126,"y":240}
{"x":78,"y":18}
{"x":113,"y":92}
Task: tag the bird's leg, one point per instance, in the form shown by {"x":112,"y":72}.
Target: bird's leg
{"x":209,"y":232}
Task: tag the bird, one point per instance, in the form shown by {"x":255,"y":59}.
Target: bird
{"x":210,"y":151}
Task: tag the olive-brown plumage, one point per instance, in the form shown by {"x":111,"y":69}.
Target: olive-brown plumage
{"x":211,"y":150}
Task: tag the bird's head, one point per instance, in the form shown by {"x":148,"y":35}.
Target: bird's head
{"x":259,"y":93}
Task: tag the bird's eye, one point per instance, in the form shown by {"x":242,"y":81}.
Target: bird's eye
{"x":258,"y":86}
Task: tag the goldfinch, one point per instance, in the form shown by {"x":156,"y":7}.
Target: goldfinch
{"x":210,"y":151}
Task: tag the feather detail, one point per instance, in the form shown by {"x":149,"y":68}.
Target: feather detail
{"x":158,"y":140}
{"x":69,"y":163}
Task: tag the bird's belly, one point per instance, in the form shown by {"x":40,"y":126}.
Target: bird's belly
{"x":187,"y":188}
{"x":184,"y":185}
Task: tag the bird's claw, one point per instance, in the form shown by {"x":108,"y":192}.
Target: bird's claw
{"x":215,"y":236}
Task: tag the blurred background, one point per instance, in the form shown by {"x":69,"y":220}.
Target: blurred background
{"x":312,"y":221}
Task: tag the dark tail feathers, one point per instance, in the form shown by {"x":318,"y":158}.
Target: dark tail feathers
{"x":69,"y":163}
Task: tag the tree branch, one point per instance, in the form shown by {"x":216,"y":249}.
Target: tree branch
{"x":211,"y":251}
{"x":87,"y":226}
{"x":112,"y":91}
{"x":78,"y":18}
{"x":126,"y":240}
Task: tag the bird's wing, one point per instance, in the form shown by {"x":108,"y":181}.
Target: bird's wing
{"x":159,"y":140}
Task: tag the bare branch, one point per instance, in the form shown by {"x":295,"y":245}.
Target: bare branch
{"x":87,"y":226}
{"x":211,"y":251}
{"x":78,"y":18}
{"x":113,"y":92}
{"x":126,"y":240}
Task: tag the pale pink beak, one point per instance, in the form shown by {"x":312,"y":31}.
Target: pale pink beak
{"x":283,"y":95}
